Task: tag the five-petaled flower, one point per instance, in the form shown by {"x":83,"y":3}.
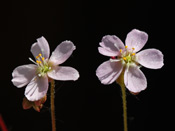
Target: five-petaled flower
{"x":125,"y":60}
{"x":36,"y":76}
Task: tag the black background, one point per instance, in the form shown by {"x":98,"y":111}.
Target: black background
{"x":86,"y":104}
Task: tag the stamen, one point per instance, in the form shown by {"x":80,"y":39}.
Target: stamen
{"x":43,"y":58}
{"x":133,"y":48}
{"x":37,"y":57}
{"x":120,"y":50}
{"x":124,"y":58}
{"x":39,"y":62}
{"x":32,"y":60}
{"x":126,"y":46}
{"x":133,"y":54}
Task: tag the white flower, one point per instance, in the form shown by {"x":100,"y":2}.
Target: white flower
{"x":127,"y":60}
{"x":36,"y":76}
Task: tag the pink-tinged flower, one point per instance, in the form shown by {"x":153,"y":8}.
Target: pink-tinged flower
{"x":36,"y":76}
{"x":124,"y":59}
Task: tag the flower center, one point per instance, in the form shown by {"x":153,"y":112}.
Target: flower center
{"x":127,"y":56}
{"x":43,"y":66}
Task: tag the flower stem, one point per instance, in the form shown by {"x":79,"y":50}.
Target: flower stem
{"x":52,"y":91}
{"x":124,"y":107}
{"x":120,"y":81}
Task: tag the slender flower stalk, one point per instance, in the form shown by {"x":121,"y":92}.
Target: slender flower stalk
{"x":120,"y":81}
{"x":52,"y":96}
{"x":123,"y":89}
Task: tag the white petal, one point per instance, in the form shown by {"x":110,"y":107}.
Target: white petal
{"x":110,"y":45}
{"x":63,"y":73}
{"x":22,"y":75}
{"x":41,"y":47}
{"x":62,"y":52}
{"x":109,"y":71}
{"x":106,"y":52}
{"x":150,"y":58}
{"x":135,"y":80}
{"x":37,"y":88}
{"x":136,"y":39}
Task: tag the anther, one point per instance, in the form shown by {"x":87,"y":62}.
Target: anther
{"x":133,"y":48}
{"x":120,"y":50}
{"x":133,"y":54}
{"x":43,"y":58}
{"x":37,"y":57}
{"x":126,"y":46}
{"x":124,"y":58}
{"x":39,"y":62}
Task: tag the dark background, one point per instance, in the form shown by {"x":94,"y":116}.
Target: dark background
{"x":86,"y":104}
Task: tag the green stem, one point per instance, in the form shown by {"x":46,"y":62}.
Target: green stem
{"x":52,"y":91}
{"x":124,"y":107}
{"x":120,"y":81}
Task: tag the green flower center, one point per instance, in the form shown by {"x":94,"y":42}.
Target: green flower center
{"x":43,"y":66}
{"x":127,"y":57}
{"x":43,"y":69}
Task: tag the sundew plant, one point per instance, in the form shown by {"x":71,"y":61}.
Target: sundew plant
{"x":125,"y":62}
{"x":123,"y":67}
{"x":44,"y":69}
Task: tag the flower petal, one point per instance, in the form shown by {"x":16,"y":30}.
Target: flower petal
{"x":22,"y":75}
{"x":63,"y":73}
{"x":109,"y":71}
{"x":62,"y":52}
{"x":150,"y":58}
{"x":37,"y":88}
{"x":41,"y":46}
{"x":135,"y":80}
{"x":106,"y":52}
{"x":136,"y":39}
{"x":111,"y":45}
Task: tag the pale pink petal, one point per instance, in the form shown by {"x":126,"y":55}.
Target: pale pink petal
{"x":62,"y":52}
{"x":135,"y":81}
{"x":136,"y":39}
{"x":37,"y":88}
{"x":109,"y":71}
{"x":63,"y":73}
{"x":150,"y":58}
{"x":41,"y":47}
{"x":22,"y":75}
{"x":111,"y":45}
{"x":106,"y":52}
